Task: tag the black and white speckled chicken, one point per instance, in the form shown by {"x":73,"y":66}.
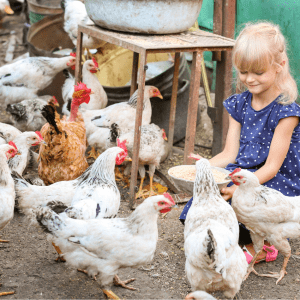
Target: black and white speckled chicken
{"x":151,"y":150}
{"x":214,"y":259}
{"x":23,"y":78}
{"x":27,"y":114}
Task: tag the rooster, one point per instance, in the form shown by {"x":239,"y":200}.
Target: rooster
{"x":63,"y":158}
{"x":24,"y":78}
{"x":75,"y":14}
{"x":103,"y":246}
{"x":214,"y":260}
{"x":98,"y":122}
{"x":27,"y":114}
{"x":98,"y":99}
{"x":268,"y":214}
{"x":151,"y":150}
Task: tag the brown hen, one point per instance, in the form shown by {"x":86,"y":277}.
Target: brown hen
{"x":63,"y":158}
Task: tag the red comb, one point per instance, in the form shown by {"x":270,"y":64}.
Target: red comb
{"x":95,"y":62}
{"x":235,"y":171}
{"x":122,"y":145}
{"x":168,"y":196}
{"x":39,"y":134}
{"x":11,"y":143}
{"x":73,"y":54}
{"x":55,"y":100}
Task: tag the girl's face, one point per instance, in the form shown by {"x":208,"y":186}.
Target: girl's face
{"x":259,"y":82}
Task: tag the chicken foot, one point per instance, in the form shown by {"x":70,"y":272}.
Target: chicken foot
{"x":140,"y":193}
{"x":282,"y":272}
{"x":85,"y":272}
{"x":60,"y":255}
{"x":119,"y":282}
{"x":93,"y":153}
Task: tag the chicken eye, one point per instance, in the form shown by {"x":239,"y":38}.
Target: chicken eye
{"x":161,"y":203}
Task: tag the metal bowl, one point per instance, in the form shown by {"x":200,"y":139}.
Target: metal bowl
{"x":187,"y":186}
{"x":144,"y":16}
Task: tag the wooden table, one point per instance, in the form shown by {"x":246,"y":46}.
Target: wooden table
{"x":189,"y":41}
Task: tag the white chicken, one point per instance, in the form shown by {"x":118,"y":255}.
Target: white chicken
{"x":268,"y":214}
{"x":24,"y":142}
{"x":102,"y":246}
{"x":8,"y":133}
{"x":24,"y":78}
{"x":27,"y":114}
{"x":214,"y":260}
{"x":7,"y":192}
{"x":5,"y":8}
{"x":75,"y":14}
{"x":98,"y":122}
{"x":151,"y":150}
{"x":97,"y":196}
{"x":98,"y":100}
{"x":199,"y":295}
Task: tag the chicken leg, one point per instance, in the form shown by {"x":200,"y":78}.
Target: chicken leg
{"x":6,"y":293}
{"x":285,"y":249}
{"x":60,"y":255}
{"x":93,"y":153}
{"x":140,"y":193}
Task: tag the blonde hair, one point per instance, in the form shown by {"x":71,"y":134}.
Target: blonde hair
{"x":260,"y":46}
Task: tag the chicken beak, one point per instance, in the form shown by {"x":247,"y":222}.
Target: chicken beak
{"x":92,"y":92}
{"x":8,"y":10}
{"x":174,"y":206}
{"x":127,"y":158}
{"x":43,"y":142}
{"x":228,"y":177}
{"x":165,"y":138}
{"x":160,"y":96}
{"x":56,"y":104}
{"x":18,"y":153}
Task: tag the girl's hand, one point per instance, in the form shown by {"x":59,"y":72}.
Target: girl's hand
{"x":227,"y":192}
{"x":195,"y":156}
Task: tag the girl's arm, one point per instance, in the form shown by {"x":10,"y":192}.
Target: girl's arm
{"x":279,"y":147}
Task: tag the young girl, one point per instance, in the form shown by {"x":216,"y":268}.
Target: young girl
{"x":264,"y":130}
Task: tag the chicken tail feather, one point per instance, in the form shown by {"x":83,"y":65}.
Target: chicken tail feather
{"x":49,"y":221}
{"x":57,"y":206}
{"x":48,"y":113}
{"x":211,"y":245}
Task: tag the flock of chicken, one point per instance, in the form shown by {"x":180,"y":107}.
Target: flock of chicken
{"x":77,"y":204}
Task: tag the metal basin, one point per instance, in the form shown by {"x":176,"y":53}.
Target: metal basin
{"x":187,"y":186}
{"x":144,"y":16}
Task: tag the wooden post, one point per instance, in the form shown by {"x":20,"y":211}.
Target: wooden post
{"x":135,"y":65}
{"x":137,"y":130}
{"x":173,"y":102}
{"x":78,"y":71}
{"x":193,"y":106}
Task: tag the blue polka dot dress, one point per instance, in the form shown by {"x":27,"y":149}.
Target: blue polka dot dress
{"x":256,"y":135}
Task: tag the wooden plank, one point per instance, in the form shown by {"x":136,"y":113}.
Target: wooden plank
{"x":78,"y":70}
{"x":193,"y":107}
{"x":137,"y":130}
{"x":135,"y":65}
{"x":173,"y":102}
{"x":217,"y":27}
{"x":139,"y":42}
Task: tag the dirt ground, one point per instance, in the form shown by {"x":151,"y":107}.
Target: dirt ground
{"x":28,"y":267}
